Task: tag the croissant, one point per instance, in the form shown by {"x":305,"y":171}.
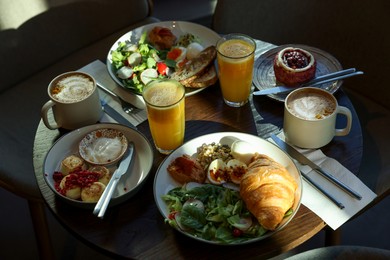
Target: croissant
{"x":267,"y":190}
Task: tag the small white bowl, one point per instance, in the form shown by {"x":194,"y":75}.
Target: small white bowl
{"x":103,"y":146}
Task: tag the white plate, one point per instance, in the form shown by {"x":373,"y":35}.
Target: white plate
{"x":264,"y":76}
{"x":129,"y":183}
{"x":178,"y":28}
{"x":163,"y":182}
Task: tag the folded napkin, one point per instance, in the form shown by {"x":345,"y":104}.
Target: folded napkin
{"x":319,"y":203}
{"x":98,"y":71}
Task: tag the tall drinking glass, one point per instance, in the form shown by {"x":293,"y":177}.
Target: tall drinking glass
{"x":166,"y":113}
{"x":236,"y":55}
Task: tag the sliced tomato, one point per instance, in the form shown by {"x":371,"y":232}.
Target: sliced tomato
{"x":174,"y":53}
{"x":162,"y":68}
{"x":172,"y":215}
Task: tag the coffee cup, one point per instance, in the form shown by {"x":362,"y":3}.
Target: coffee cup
{"x":74,"y":100}
{"x":310,"y":118}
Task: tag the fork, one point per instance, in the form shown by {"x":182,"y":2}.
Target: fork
{"x":126,"y":106}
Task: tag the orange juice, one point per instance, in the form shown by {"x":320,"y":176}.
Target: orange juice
{"x":166,"y":114}
{"x":235,"y":68}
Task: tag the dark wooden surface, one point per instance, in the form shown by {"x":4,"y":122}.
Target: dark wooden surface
{"x":136,"y":229}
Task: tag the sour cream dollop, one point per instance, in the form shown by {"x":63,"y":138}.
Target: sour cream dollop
{"x":103,"y":150}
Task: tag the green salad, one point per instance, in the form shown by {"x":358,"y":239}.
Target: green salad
{"x":212,"y":213}
{"x":136,"y":64}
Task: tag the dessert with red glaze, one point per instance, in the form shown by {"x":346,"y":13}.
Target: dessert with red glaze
{"x":294,"y":66}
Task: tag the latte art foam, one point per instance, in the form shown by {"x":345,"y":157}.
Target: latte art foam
{"x":72,"y":89}
{"x":310,"y":105}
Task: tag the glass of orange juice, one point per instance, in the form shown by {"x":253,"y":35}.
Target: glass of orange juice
{"x":166,"y":114}
{"x":235,"y":56}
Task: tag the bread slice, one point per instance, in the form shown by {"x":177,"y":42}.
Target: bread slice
{"x":208,"y":78}
{"x":197,"y":66}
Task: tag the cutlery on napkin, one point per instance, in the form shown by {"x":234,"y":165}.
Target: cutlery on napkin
{"x":319,"y":203}
{"x":305,"y":161}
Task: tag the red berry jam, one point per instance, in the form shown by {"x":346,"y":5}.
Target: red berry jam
{"x":295,"y":59}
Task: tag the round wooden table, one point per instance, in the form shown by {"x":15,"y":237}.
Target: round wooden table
{"x":136,"y":229}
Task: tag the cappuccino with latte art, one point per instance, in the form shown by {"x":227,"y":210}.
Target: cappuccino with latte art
{"x":72,"y":88}
{"x":74,"y":101}
{"x":310,"y":118}
{"x":311,"y":105}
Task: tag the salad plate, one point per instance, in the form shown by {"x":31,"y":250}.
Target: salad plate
{"x":129,"y":183}
{"x":163,"y":182}
{"x":206,"y":36}
{"x":264,"y":77}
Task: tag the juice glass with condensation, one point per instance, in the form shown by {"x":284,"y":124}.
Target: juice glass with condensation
{"x":236,"y":55}
{"x":166,"y":113}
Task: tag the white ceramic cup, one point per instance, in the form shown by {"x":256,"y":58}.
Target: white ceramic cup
{"x":310,"y":118}
{"x":74,"y":100}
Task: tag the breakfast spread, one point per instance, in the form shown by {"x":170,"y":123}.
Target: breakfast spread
{"x":161,"y":54}
{"x":258,"y":188}
{"x":294,"y":66}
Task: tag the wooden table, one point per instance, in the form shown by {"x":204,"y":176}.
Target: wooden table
{"x":136,"y":229}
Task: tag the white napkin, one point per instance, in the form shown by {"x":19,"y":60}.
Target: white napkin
{"x":319,"y":203}
{"x":98,"y":71}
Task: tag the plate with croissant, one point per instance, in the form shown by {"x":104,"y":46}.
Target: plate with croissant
{"x":228,"y":188}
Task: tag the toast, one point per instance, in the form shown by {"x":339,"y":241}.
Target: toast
{"x":196,"y":67}
{"x":208,"y":78}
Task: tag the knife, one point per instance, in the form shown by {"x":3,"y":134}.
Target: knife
{"x":304,"y":160}
{"x":326,"y":194}
{"x":317,"y":81}
{"x":109,"y":110}
{"x":105,"y":198}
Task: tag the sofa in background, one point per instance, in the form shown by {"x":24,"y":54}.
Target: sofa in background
{"x":38,"y":41}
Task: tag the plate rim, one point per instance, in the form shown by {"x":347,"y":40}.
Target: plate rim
{"x":234,"y":134}
{"x":281,"y":97}
{"x":162,"y":23}
{"x":87,"y":129}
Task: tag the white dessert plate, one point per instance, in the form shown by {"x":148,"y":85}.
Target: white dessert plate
{"x":129,"y":183}
{"x":163,"y":182}
{"x":207,"y":36}
{"x":264,"y":76}
{"x":90,"y":147}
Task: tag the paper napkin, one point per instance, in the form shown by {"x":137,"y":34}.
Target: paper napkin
{"x":98,"y":71}
{"x":332,"y":215}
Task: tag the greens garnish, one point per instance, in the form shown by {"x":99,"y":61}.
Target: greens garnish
{"x":222,"y":217}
